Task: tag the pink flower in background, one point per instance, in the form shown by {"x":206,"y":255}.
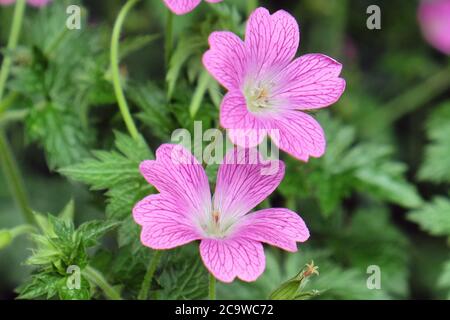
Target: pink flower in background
{"x":231,"y":237}
{"x":184,"y":6}
{"x":434,"y":18}
{"x":34,"y":3}
{"x":268,"y":89}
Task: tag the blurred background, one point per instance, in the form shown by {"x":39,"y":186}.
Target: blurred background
{"x":380,"y":195}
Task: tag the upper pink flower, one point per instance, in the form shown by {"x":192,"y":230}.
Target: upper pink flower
{"x":34,"y":3}
{"x":267,"y":88}
{"x":231,"y":237}
{"x":434,"y":18}
{"x":184,"y":6}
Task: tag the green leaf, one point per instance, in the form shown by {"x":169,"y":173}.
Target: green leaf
{"x":92,"y":230}
{"x":349,"y":166}
{"x":68,"y":212}
{"x":185,"y":49}
{"x":117,"y":172}
{"x":185,"y":278}
{"x":155,"y":112}
{"x":41,"y":286}
{"x":81,"y":293}
{"x":444,"y":278}
{"x":436,"y":167}
{"x":434,"y":217}
{"x":60,"y":132}
{"x":131,"y":45}
{"x":334,"y":282}
{"x":362,"y":244}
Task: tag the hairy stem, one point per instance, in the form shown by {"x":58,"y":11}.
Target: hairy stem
{"x":9,"y":165}
{"x":22,"y":229}
{"x":416,"y":97}
{"x":14,"y":179}
{"x":143,"y":293}
{"x":95,"y":277}
{"x":212,"y":287}
{"x":114,"y":55}
{"x":168,"y":46}
{"x":19,"y":12}
{"x":199,"y":93}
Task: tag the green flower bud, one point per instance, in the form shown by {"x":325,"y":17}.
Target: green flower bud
{"x":292,"y":289}
{"x":5,"y":238}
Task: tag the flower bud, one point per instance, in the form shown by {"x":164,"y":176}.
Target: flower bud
{"x":5,"y":238}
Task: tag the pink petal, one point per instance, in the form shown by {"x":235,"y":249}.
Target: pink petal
{"x":214,"y":1}
{"x":38,"y":3}
{"x":180,"y":7}
{"x":177,"y":173}
{"x":245,"y":129}
{"x":226,"y":60}
{"x":165,"y":224}
{"x":299,"y":135}
{"x":227,"y":259}
{"x":278,"y":227}
{"x":434,"y":18}
{"x":244,"y":181}
{"x":6,"y":2}
{"x":271,"y":40}
{"x":309,"y":82}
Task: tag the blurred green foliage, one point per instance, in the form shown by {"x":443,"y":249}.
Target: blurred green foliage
{"x":380,"y":195}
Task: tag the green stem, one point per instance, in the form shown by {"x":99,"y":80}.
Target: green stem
{"x":212,"y":287}
{"x":168,"y":46}
{"x":199,"y":93}
{"x":95,"y":277}
{"x":14,"y":179}
{"x":13,"y":115}
{"x":55,"y":44}
{"x":143,"y":293}
{"x":8,"y":162}
{"x":416,"y":97}
{"x":7,"y":102}
{"x":22,"y":229}
{"x":115,"y":39}
{"x":19,"y":12}
{"x":251,"y":6}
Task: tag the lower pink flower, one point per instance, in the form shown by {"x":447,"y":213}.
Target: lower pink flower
{"x":34,"y":3}
{"x":231,"y":237}
{"x":184,"y":6}
{"x":434,"y":18}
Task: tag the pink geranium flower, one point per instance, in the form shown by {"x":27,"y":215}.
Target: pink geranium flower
{"x":34,"y":3}
{"x":434,"y":18}
{"x":184,"y":6}
{"x":231,"y":237}
{"x":268,"y":90}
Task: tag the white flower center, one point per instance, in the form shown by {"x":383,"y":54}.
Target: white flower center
{"x":217,"y":225}
{"x":257,"y":96}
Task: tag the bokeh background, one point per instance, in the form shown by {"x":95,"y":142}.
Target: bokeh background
{"x":378,"y":197}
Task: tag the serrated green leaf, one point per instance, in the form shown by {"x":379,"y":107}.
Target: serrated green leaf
{"x":436,"y":167}
{"x":60,"y":133}
{"x":155,"y":112}
{"x":434,"y":217}
{"x":41,"y":286}
{"x":133,"y":44}
{"x":117,"y":172}
{"x":185,"y":278}
{"x":348,"y":167}
{"x":81,"y":293}
{"x":92,"y":230}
